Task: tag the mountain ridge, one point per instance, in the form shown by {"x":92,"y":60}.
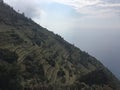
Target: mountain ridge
{"x":40,"y":59}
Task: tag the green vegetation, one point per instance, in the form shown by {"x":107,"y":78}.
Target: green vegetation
{"x":96,"y":77}
{"x":33,"y":58}
{"x":10,"y":76}
{"x":60,"y":73}
{"x":8,"y":56}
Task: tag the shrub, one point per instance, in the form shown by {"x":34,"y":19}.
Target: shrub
{"x":8,"y":56}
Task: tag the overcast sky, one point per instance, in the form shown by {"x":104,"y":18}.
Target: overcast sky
{"x":92,"y":25}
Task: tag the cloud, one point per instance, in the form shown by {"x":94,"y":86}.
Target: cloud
{"x":78,"y":3}
{"x":94,"y":8}
{"x":90,"y":13}
{"x":31,"y":9}
{"x":89,"y":8}
{"x":110,"y":5}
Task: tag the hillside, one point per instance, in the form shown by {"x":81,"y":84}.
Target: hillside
{"x":33,"y":58}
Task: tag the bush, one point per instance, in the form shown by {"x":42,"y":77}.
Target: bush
{"x":60,"y":73}
{"x":10,"y":77}
{"x":8,"y":56}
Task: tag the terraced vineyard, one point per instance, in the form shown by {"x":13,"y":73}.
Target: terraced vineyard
{"x":33,"y":58}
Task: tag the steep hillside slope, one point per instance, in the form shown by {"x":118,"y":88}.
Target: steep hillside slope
{"x":33,"y":58}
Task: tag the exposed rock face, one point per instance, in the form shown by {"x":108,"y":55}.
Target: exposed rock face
{"x":33,"y":58}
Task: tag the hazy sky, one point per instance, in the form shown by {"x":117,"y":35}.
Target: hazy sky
{"x":92,"y":25}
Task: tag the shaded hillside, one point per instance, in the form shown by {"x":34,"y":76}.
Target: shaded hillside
{"x":33,"y":58}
